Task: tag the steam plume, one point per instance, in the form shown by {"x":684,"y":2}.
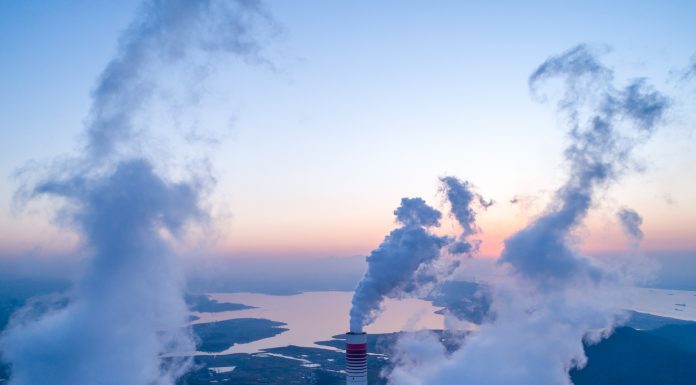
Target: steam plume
{"x":599,"y":153}
{"x":552,"y":297}
{"x":407,"y":262}
{"x":402,"y":264}
{"x":128,"y":309}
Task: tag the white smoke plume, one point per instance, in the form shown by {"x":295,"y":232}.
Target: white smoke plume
{"x":128,"y":308}
{"x":408,"y":263}
{"x":550,"y":298}
{"x":401,"y":265}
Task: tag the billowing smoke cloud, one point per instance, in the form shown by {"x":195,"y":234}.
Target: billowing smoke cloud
{"x":552,"y":297}
{"x":109,"y":333}
{"x":127,"y":310}
{"x":606,"y":124}
{"x":401,"y":265}
{"x":407,"y":262}
{"x":631,"y":222}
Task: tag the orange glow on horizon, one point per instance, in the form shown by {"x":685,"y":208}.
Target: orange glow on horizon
{"x":359,"y":235}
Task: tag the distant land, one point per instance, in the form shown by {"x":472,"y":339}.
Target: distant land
{"x":633,"y":357}
{"x":219,"y":336}
{"x":202,"y":303}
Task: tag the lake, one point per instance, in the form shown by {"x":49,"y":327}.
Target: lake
{"x":680,"y":304}
{"x":317,"y":316}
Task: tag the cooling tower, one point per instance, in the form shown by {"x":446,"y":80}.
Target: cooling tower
{"x":356,"y":359}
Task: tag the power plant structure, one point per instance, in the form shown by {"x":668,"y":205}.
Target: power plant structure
{"x":356,"y":358}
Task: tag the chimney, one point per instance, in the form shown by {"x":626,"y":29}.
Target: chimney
{"x":356,"y":358}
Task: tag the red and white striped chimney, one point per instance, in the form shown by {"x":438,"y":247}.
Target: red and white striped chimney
{"x":356,"y":359}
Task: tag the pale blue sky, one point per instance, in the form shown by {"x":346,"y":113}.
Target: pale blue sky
{"x":369,"y":101}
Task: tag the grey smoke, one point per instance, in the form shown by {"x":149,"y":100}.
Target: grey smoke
{"x":635,"y":265}
{"x":464,"y":300}
{"x":549,"y":297}
{"x":127,"y":309}
{"x":462,"y":199}
{"x":631,"y":222}
{"x":472,"y":301}
{"x":402,"y":263}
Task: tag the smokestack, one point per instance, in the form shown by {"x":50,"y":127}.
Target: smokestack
{"x":356,"y":358}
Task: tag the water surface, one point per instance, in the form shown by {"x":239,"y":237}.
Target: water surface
{"x":317,"y":316}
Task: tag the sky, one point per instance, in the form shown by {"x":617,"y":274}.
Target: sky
{"x":357,"y":105}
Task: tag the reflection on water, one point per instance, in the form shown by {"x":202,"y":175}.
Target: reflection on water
{"x":316,"y":316}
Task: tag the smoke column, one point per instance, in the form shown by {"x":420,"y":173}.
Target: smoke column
{"x":401,"y":264}
{"x":551,"y":297}
{"x":408,"y":261}
{"x":127,"y":309}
